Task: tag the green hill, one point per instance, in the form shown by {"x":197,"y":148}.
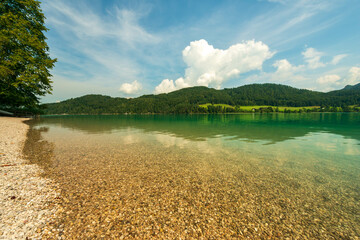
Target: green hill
{"x":209,"y":100}
{"x":274,"y":95}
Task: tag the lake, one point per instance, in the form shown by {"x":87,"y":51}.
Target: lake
{"x":202,"y":176}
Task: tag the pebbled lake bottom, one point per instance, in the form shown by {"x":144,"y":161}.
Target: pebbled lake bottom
{"x":201,"y":176}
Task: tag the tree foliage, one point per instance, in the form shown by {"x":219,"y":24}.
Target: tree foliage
{"x":188,"y":100}
{"x":24,"y":54}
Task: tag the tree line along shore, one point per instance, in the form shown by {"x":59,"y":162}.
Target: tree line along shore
{"x":248,"y":98}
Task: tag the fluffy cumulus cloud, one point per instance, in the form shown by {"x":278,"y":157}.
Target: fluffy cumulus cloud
{"x":284,"y":66}
{"x":285,"y":71}
{"x":312,"y":57}
{"x":328,"y":79}
{"x":354,"y":76}
{"x":130,"y":88}
{"x":165,"y":86}
{"x":209,"y":66}
{"x":333,"y":81}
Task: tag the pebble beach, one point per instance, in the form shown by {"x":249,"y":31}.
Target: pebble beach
{"x":25,"y":196}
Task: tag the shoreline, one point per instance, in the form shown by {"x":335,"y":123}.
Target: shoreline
{"x":25,"y":196}
{"x":179,"y":114}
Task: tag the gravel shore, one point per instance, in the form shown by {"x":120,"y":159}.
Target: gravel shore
{"x":25,"y":197}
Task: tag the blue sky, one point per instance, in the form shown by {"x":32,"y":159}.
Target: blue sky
{"x":131,"y":48}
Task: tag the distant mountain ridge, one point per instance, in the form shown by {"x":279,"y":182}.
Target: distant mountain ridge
{"x":187,"y":100}
{"x":352,"y":87}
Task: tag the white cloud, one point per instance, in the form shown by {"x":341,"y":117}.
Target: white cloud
{"x":130,"y":88}
{"x":209,"y":66}
{"x":283,"y":65}
{"x":332,"y":81}
{"x":336,"y":59}
{"x":354,"y":76}
{"x":328,"y":79}
{"x":165,"y":86}
{"x":286,"y":72}
{"x":299,"y":76}
{"x":168,"y":85}
{"x":312,"y":57}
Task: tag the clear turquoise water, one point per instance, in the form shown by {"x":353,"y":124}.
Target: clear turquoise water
{"x":292,"y":175}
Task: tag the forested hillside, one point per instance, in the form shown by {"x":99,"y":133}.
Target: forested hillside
{"x":188,"y":100}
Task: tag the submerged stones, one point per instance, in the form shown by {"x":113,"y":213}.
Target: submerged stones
{"x":140,"y":189}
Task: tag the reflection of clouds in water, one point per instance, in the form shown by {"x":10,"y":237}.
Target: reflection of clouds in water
{"x":335,"y":143}
{"x":303,"y":147}
{"x":352,"y":148}
{"x":130,"y":139}
{"x":326,"y":146}
{"x":171,"y":141}
{"x":321,"y":146}
{"x":131,"y":135}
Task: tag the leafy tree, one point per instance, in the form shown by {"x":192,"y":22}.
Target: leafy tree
{"x":24,"y":57}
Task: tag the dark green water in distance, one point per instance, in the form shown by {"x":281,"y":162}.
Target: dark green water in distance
{"x":268,"y":127}
{"x":256,"y":175}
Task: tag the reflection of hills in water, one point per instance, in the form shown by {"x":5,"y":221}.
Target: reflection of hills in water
{"x":268,"y":127}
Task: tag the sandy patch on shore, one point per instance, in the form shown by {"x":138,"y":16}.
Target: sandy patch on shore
{"x":25,"y":197}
